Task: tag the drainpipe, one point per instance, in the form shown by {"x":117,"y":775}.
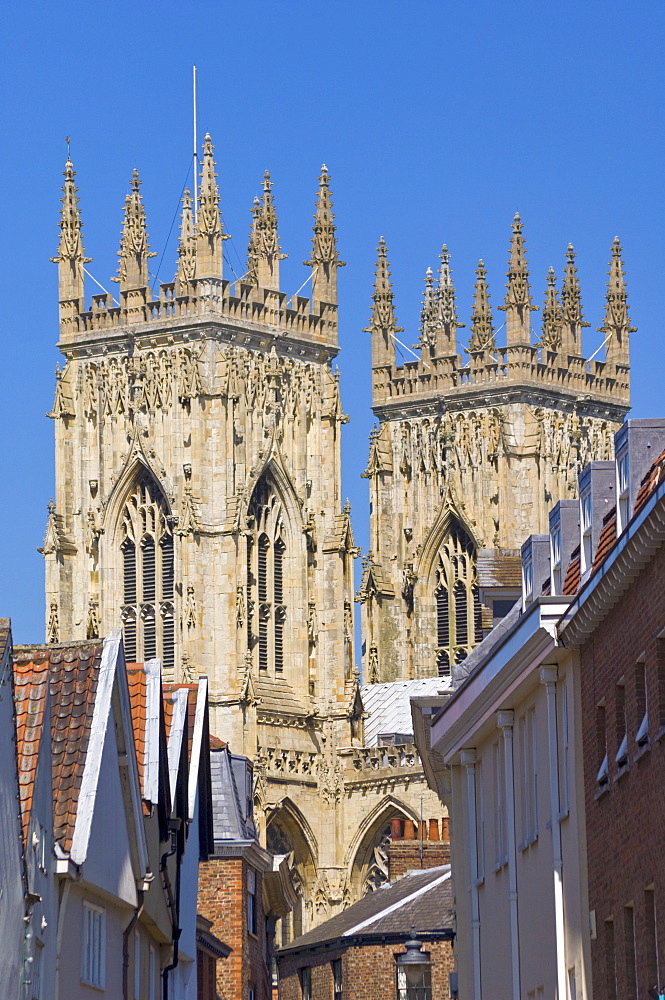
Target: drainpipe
{"x":125,"y":943}
{"x":548,"y":677}
{"x":468,"y":759}
{"x":58,"y":940}
{"x":505,"y":720}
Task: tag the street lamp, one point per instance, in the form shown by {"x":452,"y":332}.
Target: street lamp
{"x":414,"y":971}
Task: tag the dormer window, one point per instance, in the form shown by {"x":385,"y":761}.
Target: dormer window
{"x":527,"y":578}
{"x":555,"y":559}
{"x":585,"y":520}
{"x":623,"y":497}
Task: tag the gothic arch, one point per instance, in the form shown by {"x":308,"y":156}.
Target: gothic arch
{"x":366,"y":860}
{"x":139,"y":551}
{"x":273,"y":470}
{"x":446,"y":597}
{"x":288,"y":832}
{"x":275,"y":577}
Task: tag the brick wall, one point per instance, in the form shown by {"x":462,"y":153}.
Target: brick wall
{"x":368,"y":972}
{"x":417,"y":845}
{"x":222,"y":899}
{"x":626,"y":821}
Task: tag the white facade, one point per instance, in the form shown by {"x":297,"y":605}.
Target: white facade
{"x":510,"y":734}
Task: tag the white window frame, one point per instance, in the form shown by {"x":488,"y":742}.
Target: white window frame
{"x":623,"y":491}
{"x":586,"y":518}
{"x":93,"y":946}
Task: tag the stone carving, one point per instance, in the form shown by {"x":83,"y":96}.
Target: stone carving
{"x":53,"y":628}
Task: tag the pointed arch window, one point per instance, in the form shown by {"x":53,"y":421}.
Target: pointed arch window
{"x":266,"y":561}
{"x":147,"y":576}
{"x":458,"y":622}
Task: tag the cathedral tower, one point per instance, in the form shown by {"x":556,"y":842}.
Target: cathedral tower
{"x":471,"y":450}
{"x":197,"y":497}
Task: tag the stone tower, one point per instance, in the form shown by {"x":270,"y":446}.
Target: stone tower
{"x":472,"y":449}
{"x":197,"y":503}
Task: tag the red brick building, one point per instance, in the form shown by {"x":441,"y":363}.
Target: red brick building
{"x":243,"y":888}
{"x":618,"y":624}
{"x":355,"y":955}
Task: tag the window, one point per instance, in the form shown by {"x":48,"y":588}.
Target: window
{"x":527,"y":578}
{"x":456,"y":599}
{"x":529,"y":769}
{"x":564,"y":782}
{"x":572,"y":984}
{"x":93,"y":950}
{"x":651,"y":940}
{"x":251,"y":991}
{"x":601,"y":743}
{"x":148,"y":576}
{"x":251,"y":901}
{"x":306,"y":983}
{"x":555,"y":558}
{"x":500,"y":841}
{"x":36,"y":971}
{"x":610,"y":962}
{"x":642,"y":735}
{"x":337,"y":979}
{"x":480,"y":822}
{"x":623,"y":492}
{"x":629,"y":952}
{"x":621,"y":731}
{"x":660,"y":664}
{"x":586,"y":550}
{"x":266,"y":563}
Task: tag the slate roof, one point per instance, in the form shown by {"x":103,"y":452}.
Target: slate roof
{"x":228,"y":812}
{"x":73,"y":672}
{"x":389,"y":705}
{"x":423,"y":899}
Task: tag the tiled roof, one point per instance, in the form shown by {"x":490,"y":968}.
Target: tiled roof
{"x":73,"y":674}
{"x":389,"y":705}
{"x":138,"y":699}
{"x":422,"y":899}
{"x":573,"y":574}
{"x":608,"y":537}
{"x":499,"y":568}
{"x":31,"y":683}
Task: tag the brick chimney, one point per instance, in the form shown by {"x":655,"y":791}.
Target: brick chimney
{"x":417,"y":845}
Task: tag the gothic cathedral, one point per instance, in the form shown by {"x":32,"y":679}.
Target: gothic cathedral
{"x":197,"y":499}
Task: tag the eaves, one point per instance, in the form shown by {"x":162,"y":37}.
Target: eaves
{"x":604,"y":589}
{"x":523,"y":649}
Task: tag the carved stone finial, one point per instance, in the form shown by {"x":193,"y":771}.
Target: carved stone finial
{"x":428,"y":314}
{"x":186,"y":272}
{"x":616,"y":322}
{"x":267,"y":239}
{"x":572,"y":320}
{"x":252,"y":276}
{"x":550,"y":339}
{"x":482,"y":331}
{"x":517,"y":304}
{"x":449,"y":322}
{"x":209,"y":232}
{"x":325,"y":258}
{"x":71,"y":256}
{"x":134,"y":247}
{"x":383,"y":324}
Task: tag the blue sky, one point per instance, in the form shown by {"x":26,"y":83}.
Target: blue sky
{"x":437,"y":120}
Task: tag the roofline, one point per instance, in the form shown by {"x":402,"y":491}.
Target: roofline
{"x":638,"y":544}
{"x":367,"y":940}
{"x":399,"y":903}
{"x":176,"y":733}
{"x":197,"y":745}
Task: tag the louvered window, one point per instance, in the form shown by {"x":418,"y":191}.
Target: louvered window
{"x":266,"y":557}
{"x":280,"y":611}
{"x":458,"y":612}
{"x":148,"y":577}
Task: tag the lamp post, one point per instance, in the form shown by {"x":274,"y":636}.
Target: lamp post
{"x":414,"y":975}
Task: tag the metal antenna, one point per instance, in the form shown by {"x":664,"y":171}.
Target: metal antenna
{"x":196,"y":172}
{"x":68,"y":140}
